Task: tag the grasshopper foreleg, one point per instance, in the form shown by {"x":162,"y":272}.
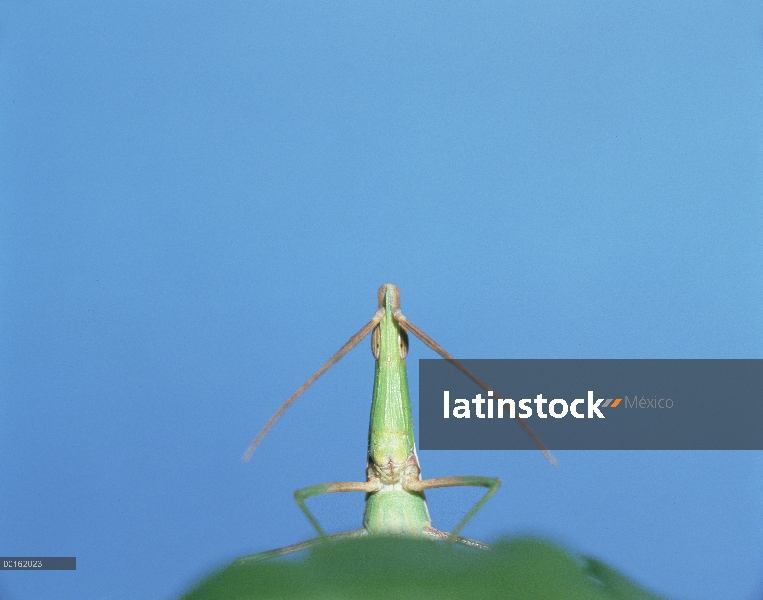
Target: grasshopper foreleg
{"x":330,"y":488}
{"x":491,"y":483}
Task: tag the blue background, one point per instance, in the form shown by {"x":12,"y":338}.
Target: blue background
{"x":200,"y":202}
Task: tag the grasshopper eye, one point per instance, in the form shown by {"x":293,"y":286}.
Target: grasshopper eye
{"x":376,"y":342}
{"x":402,"y":339}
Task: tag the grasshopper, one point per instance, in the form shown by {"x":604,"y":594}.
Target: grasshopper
{"x":394,"y":487}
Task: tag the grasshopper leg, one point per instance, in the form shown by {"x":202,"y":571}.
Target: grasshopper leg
{"x":491,"y":483}
{"x":444,"y":536}
{"x":329,"y":488}
{"x":253,"y":558}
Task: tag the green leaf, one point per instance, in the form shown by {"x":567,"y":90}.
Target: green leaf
{"x":401,"y":568}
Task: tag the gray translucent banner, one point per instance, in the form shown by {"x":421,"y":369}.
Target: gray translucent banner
{"x":593,"y":404}
{"x":38,"y":563}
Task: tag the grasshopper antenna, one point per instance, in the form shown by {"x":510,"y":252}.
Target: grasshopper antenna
{"x":404,"y":322}
{"x":351,"y":343}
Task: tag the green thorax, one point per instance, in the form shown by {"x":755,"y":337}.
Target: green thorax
{"x":390,"y":434}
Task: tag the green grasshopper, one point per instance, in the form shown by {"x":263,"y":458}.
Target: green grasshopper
{"x":394,"y":488}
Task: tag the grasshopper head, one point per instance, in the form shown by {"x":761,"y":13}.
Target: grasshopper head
{"x":396,"y":340}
